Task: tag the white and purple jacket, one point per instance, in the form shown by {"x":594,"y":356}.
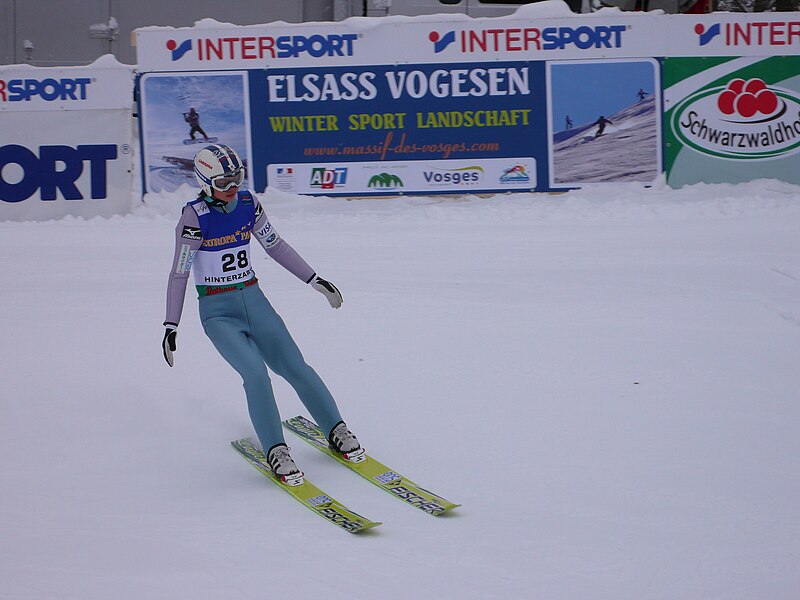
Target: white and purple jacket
{"x":214,"y":243}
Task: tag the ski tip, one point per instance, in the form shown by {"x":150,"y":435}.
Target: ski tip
{"x":448,"y":508}
{"x":368,"y":526}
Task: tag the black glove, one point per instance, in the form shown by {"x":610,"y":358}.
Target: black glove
{"x":168,"y":344}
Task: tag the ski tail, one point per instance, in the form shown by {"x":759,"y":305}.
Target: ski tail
{"x":306,"y":493}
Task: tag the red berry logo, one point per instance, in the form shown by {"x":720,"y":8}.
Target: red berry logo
{"x":725,"y":101}
{"x":747,"y":98}
{"x":767,"y":101}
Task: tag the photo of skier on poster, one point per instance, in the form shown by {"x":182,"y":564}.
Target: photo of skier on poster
{"x":601,"y":132}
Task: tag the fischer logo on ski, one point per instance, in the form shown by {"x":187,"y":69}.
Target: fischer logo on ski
{"x":373,"y":471}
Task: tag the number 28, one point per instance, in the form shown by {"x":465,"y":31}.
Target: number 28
{"x":230,"y":261}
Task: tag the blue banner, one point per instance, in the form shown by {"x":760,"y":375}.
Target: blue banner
{"x":399,"y":113}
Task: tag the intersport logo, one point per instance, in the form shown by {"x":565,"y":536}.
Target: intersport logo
{"x":222,"y":49}
{"x":528,"y":39}
{"x":49,"y":89}
{"x":740,"y":120}
{"x":750,"y":34}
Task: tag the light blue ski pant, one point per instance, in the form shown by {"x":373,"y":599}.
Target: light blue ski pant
{"x":248,"y":333}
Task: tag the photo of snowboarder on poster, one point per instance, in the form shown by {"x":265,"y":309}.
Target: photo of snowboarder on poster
{"x":601,"y":133}
{"x":210,"y":105}
{"x":193,"y":119}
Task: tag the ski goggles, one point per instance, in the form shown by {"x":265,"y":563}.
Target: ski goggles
{"x":225,"y":182}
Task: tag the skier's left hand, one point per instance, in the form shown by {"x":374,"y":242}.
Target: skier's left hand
{"x":327,"y":289}
{"x":168,"y":344}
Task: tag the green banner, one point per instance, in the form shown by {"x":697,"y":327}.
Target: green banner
{"x":729,"y":120}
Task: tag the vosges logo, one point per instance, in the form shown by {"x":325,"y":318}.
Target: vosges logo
{"x":526,"y":39}
{"x":55,"y":169}
{"x":464,"y":175}
{"x":740,"y":120}
{"x":49,"y":89}
{"x":263,"y":47}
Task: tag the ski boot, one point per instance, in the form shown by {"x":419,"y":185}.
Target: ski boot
{"x":343,"y":441}
{"x":283,"y":466}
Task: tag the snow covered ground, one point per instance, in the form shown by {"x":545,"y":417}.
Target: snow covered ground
{"x":607,"y":381}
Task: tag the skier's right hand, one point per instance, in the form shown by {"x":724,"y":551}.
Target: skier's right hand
{"x":168,"y":344}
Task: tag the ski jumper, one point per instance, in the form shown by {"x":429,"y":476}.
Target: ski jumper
{"x":214,"y":242}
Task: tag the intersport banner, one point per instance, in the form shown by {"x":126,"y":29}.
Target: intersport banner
{"x":526,"y":35}
{"x":66,"y":141}
{"x":387,"y":41}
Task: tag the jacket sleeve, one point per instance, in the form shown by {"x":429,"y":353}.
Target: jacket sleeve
{"x":188,"y":239}
{"x":279,"y":249}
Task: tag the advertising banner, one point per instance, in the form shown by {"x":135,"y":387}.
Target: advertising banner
{"x":24,"y":88}
{"x":423,"y":119}
{"x":424,"y":40}
{"x":400,"y":177}
{"x":732,"y":119}
{"x":391,"y":106}
{"x":438,"y":129}
{"x":54,"y":164}
{"x":66,"y":140}
{"x":392,"y":129}
{"x":732,"y":34}
{"x":434,"y":39}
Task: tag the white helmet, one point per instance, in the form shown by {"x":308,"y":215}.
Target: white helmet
{"x":218,"y":167}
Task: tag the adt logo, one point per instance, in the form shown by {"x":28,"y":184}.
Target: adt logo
{"x":178,"y":50}
{"x":440,"y":43}
{"x":56,"y":169}
{"x":707,"y":35}
{"x":327,"y":179}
